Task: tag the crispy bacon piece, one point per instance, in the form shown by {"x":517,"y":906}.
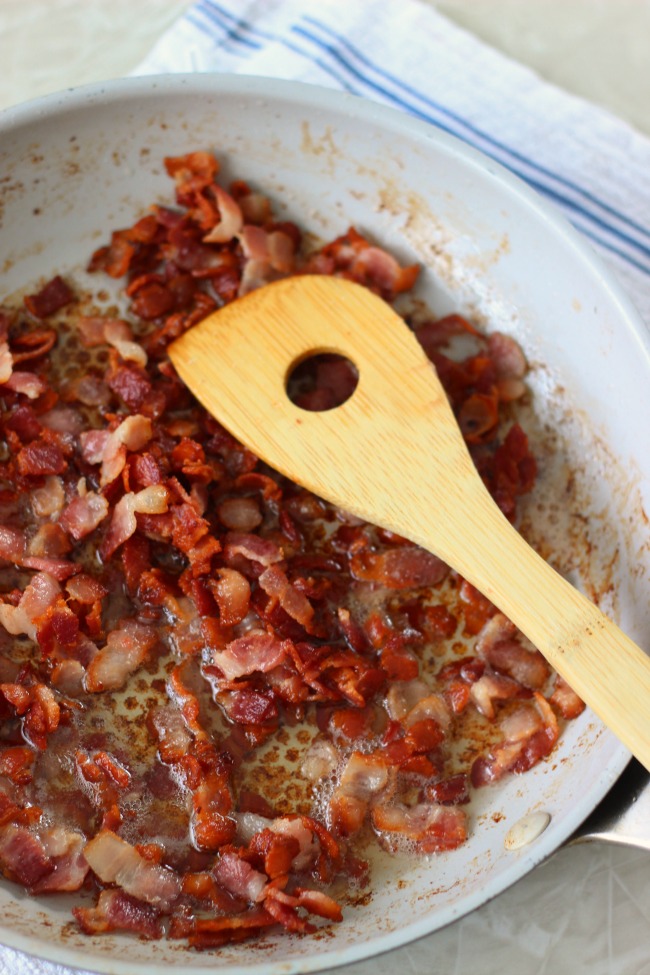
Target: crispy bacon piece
{"x":499,"y":644}
{"x":38,"y":708}
{"x":363,"y":778}
{"x":492,"y":688}
{"x":205,"y":772}
{"x":6,"y":362}
{"x":429,"y":826}
{"x":117,"y":911}
{"x":13,"y":544}
{"x":529,"y":734}
{"x":84,"y":514}
{"x":507,"y":356}
{"x":115,"y":332}
{"x":232,"y":592}
{"x":126,"y":649}
{"x":48,"y":541}
{"x":43,"y":456}
{"x":152,"y":500}
{"x":174,"y":739}
{"x":43,"y":859}
{"x":115,"y":861}
{"x":41,"y":593}
{"x":17,"y":764}
{"x":132,"y":434}
{"x":257,"y":650}
{"x":48,"y":500}
{"x":275,"y":584}
{"x":402,"y":697}
{"x":404,"y":567}
{"x":27,"y":383}
{"x":565,"y":700}
{"x":514,"y":470}
{"x":527,"y":667}
{"x":53,"y":296}
{"x":230,"y":218}
{"x":212,"y":932}
{"x":238,"y":877}
{"x":352,"y":255}
{"x":251,"y":547}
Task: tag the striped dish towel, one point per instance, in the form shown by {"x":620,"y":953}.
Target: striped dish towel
{"x":594,"y":167}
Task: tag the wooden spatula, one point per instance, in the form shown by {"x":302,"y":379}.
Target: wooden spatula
{"x":393,"y":455}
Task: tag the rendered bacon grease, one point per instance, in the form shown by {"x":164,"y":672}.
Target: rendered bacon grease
{"x":174,"y":614}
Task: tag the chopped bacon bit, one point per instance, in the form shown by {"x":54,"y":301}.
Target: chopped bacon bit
{"x":115,"y":861}
{"x":452,"y":791}
{"x":252,"y":547}
{"x":230,"y":218}
{"x":6,"y":362}
{"x":232,"y":592}
{"x":84,"y":514}
{"x":50,"y":541}
{"x":33,"y":345}
{"x":363,"y":777}
{"x":565,"y":700}
{"x":132,"y":434}
{"x":53,"y":296}
{"x":43,"y":859}
{"x":509,"y":360}
{"x":527,"y":667}
{"x":477,"y":609}
{"x":491,"y":688}
{"x":478,"y":417}
{"x":27,"y":383}
{"x":430,"y":826}
{"x":514,"y":470}
{"x":16,"y":764}
{"x":152,"y":500}
{"x":126,"y":649}
{"x":12,"y":544}
{"x":115,"y":332}
{"x":39,"y":595}
{"x":117,"y":911}
{"x":276,"y":585}
{"x":48,"y":501}
{"x":399,"y":568}
{"x":352,"y":255}
{"x":529,"y":734}
{"x":173,"y":737}
{"x":238,"y":877}
{"x":257,"y":650}
{"x":43,"y":456}
{"x":212,"y":932}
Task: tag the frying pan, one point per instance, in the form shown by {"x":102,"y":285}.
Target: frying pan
{"x":75,"y":166}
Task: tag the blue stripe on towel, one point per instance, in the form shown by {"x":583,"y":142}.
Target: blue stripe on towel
{"x":216,"y":15}
{"x":356,"y":73}
{"x":638,"y":248}
{"x":474,"y":130}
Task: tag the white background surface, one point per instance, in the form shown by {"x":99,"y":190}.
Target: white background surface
{"x":585,"y":912}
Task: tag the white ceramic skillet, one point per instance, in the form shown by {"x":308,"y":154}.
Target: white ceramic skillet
{"x":77,"y":165}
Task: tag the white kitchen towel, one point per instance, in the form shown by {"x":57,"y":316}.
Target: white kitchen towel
{"x":594,"y":167}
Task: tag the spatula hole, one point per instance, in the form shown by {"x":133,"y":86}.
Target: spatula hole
{"x":322,"y":381}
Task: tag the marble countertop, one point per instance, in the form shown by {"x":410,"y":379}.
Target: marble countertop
{"x":586,"y":911}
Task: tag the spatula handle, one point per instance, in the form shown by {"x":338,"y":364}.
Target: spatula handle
{"x":602,"y":665}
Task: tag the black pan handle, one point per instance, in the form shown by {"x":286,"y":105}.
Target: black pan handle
{"x":623,"y":816}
